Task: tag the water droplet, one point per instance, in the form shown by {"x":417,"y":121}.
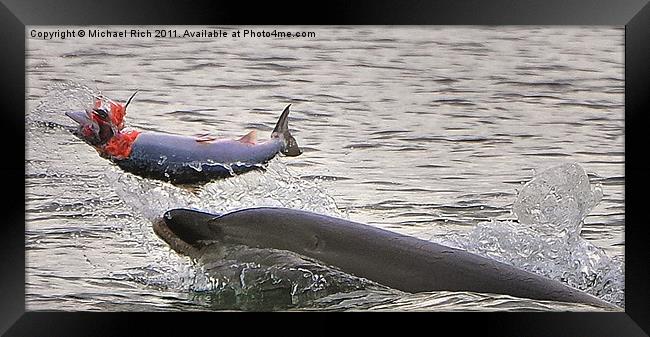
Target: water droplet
{"x":196,"y":166}
{"x":162,"y":160}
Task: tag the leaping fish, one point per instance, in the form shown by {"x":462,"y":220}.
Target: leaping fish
{"x":176,"y":158}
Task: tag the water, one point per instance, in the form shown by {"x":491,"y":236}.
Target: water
{"x":426,"y":131}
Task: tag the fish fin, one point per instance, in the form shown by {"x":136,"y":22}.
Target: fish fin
{"x":249,"y":138}
{"x":205,"y":139}
{"x":281,"y":130}
{"x":129,"y":101}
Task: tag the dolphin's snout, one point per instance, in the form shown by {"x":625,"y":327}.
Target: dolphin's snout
{"x":187,"y":226}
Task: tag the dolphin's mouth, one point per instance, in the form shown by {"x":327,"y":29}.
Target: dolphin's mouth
{"x":186,"y":231}
{"x":174,"y":241}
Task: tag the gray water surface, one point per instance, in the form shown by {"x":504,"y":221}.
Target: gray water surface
{"x":426,"y":131}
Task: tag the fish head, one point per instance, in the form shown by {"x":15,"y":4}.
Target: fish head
{"x":116,"y":111}
{"x":95,"y":125}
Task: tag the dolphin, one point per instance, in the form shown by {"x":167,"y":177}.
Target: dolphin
{"x":391,"y":259}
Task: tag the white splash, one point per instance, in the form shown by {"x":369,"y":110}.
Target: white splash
{"x":546,"y":240}
{"x":277,"y":186}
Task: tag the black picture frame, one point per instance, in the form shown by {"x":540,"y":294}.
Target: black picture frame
{"x":633,"y":14}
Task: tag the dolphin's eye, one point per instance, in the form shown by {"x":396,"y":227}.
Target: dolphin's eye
{"x":101,"y":113}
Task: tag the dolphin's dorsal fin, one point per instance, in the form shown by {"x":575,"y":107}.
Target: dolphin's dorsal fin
{"x":250,"y":138}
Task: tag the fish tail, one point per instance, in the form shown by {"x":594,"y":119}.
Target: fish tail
{"x":281,"y":130}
